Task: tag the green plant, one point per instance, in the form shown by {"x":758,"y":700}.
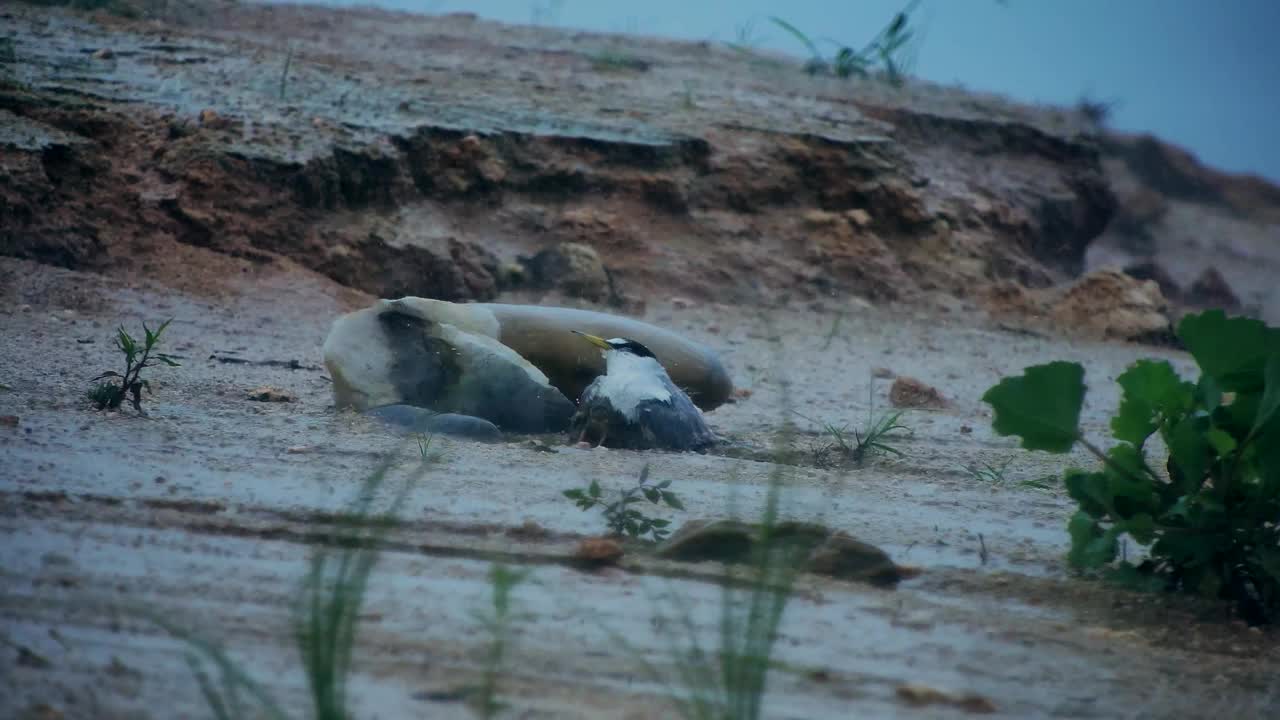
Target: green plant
{"x":856,"y":445}
{"x":620,"y":516}
{"x":497,"y":622}
{"x":1096,"y":111}
{"x":326,"y":616}
{"x":729,"y":681}
{"x":284,"y":71}
{"x":328,"y":608}
{"x":888,"y":49}
{"x":424,"y":441}
{"x":1211,"y":517}
{"x":109,"y":395}
{"x":617,"y":60}
{"x":985,"y":472}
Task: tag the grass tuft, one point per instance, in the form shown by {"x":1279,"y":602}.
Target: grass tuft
{"x":497,"y":622}
{"x":326,"y":616}
{"x":855,"y":446}
{"x":1095,"y":111}
{"x":890,"y":50}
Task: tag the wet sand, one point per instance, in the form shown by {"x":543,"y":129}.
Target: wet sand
{"x":206,"y":510}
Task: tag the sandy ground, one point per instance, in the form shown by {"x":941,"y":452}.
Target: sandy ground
{"x":171,"y":167}
{"x":205,"y":511}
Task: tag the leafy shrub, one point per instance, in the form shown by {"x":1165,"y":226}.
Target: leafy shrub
{"x":109,"y":395}
{"x":621,"y":517}
{"x":1212,"y":517}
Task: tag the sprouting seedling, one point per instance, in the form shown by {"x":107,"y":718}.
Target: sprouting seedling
{"x":987,"y":473}
{"x":620,"y":516}
{"x":109,"y":395}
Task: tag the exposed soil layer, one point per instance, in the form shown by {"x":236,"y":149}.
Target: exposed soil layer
{"x":416,"y":154}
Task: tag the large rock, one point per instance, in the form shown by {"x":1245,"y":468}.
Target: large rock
{"x":517,"y":366}
{"x":444,"y":357}
{"x":1110,"y":304}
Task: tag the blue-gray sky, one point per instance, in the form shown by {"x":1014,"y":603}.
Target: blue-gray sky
{"x":1204,"y":75}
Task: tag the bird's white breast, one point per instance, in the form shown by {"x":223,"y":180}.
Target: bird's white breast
{"x":630,"y":380}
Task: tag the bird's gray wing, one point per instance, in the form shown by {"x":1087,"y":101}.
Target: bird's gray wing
{"x":676,"y":424}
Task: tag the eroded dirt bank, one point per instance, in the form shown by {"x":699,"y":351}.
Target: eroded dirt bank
{"x":418,"y":155}
{"x":162,"y":168}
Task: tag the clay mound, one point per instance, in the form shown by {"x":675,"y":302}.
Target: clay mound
{"x":1109,"y":304}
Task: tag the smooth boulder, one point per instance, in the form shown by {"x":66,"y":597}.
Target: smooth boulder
{"x":443,"y":357}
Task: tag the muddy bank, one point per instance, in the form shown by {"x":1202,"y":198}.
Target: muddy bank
{"x":421,"y":163}
{"x":824,"y":236}
{"x":206,"y":510}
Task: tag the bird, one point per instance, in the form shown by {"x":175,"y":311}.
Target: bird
{"x":634,"y":404}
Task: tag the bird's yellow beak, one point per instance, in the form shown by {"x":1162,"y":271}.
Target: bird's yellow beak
{"x":597,"y":341}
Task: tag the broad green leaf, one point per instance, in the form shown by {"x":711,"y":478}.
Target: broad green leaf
{"x":1232,"y":350}
{"x":1184,"y":549}
{"x":1091,"y":547}
{"x":1221,"y":441}
{"x":1267,"y":447}
{"x":1090,"y":490}
{"x":1268,"y":559}
{"x":1151,"y":389}
{"x":1141,"y":528}
{"x":1189,"y":451}
{"x":672,"y":501}
{"x":1041,"y":406}
{"x":1270,"y":403}
{"x":1129,"y":483}
{"x":1208,"y":393}
{"x":594,"y":489}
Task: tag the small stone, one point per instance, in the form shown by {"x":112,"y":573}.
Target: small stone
{"x":680,"y":303}
{"x":9,"y":420}
{"x":103,"y":54}
{"x":598,"y":551}
{"x":267,"y":393}
{"x":573,"y":268}
{"x":713,"y":329}
{"x":858,"y":218}
{"x":882,"y":373}
{"x":908,"y":392}
{"x":917,"y":694}
{"x":529,"y":530}
{"x":298,"y":449}
{"x":965,"y":429}
{"x":1110,"y":304}
{"x":211,"y":119}
{"x":541,"y":446}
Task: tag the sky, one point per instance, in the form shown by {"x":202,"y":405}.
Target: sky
{"x":1201,"y":74}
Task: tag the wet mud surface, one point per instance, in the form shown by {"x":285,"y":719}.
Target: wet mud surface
{"x":206,"y":511}
{"x":172,"y":167}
